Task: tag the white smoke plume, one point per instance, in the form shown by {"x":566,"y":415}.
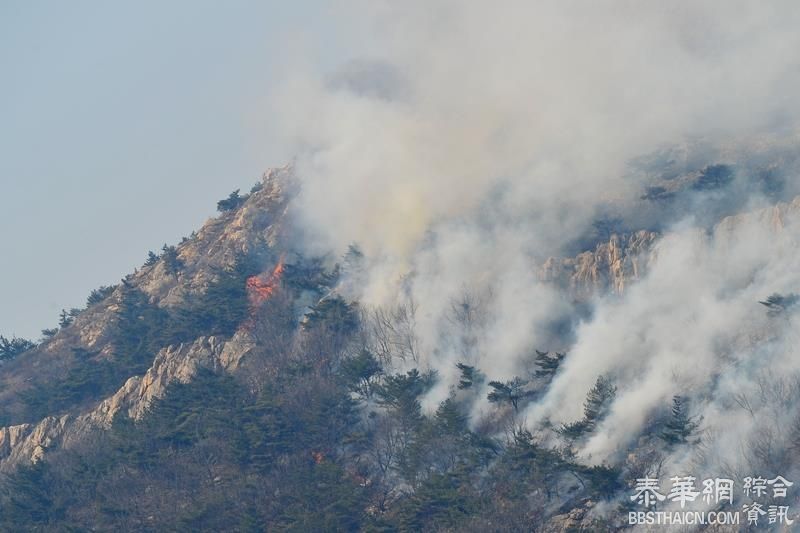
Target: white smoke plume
{"x":477,"y":139}
{"x":692,"y":327}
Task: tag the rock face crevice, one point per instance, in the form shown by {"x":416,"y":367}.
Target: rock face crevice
{"x":611,"y":266}
{"x":258,"y":223}
{"x":26,"y":443}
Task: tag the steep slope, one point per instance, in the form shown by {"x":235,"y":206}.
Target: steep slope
{"x":253,"y":229}
{"x":28,"y":443}
{"x":611,"y":267}
{"x":235,"y":369}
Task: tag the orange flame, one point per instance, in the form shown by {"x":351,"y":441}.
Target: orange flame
{"x":260,"y":288}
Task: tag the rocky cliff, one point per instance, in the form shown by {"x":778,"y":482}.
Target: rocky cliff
{"x":611,"y":266}
{"x":258,"y":222}
{"x":29,"y":442}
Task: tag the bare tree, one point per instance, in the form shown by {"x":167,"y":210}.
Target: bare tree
{"x":392,"y":332}
{"x":467,"y":316}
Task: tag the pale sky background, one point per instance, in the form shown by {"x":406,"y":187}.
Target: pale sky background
{"x":122,"y":124}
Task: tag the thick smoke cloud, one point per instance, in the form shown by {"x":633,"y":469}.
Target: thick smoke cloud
{"x":692,"y":327}
{"x":547,"y":101}
{"x":476,"y":140}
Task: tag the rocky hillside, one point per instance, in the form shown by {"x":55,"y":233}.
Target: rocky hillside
{"x":254,"y":227}
{"x":229,"y":370}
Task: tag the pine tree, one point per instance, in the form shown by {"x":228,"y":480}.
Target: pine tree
{"x":680,"y":426}
{"x":450,"y":419}
{"x":141,"y":330}
{"x":334,"y":313}
{"x":598,"y":402}
{"x":778,"y":303}
{"x":595,"y":409}
{"x":221,"y":309}
{"x":440,"y":503}
{"x":361,"y":373}
{"x":172,"y":264}
{"x":49,"y":333}
{"x":64,"y":319}
{"x":152,"y":259}
{"x":511,"y":392}
{"x":310,"y":274}
{"x":98,"y":295}
{"x":548,"y":365}
{"x":401,"y":394}
{"x":469,"y":376}
{"x":233,"y":201}
{"x":11,"y":348}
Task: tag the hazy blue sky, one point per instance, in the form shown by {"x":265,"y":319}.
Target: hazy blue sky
{"x":122,"y":124}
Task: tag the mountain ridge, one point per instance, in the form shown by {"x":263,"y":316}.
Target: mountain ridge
{"x":260,"y":225}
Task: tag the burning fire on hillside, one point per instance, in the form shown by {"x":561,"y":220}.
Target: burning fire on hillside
{"x":260,"y":288}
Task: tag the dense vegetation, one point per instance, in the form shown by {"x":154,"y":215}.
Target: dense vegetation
{"x":328,"y":425}
{"x":11,"y":348}
{"x":322,"y":428}
{"x":314,"y":433}
{"x":141,"y":330}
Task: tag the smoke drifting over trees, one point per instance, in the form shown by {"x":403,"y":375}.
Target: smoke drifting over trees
{"x":527,"y":255}
{"x":475,"y":141}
